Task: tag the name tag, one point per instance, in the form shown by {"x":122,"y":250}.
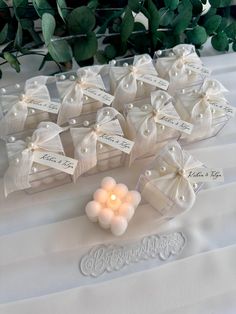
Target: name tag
{"x":198,"y":69}
{"x":154,"y":80}
{"x":52,"y":107}
{"x":117,"y":142}
{"x":205,"y":175}
{"x":99,"y":95}
{"x":175,"y":123}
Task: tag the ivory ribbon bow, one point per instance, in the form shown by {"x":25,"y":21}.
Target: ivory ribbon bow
{"x":195,"y":106}
{"x":21,"y":155}
{"x":85,"y":139}
{"x":14,"y":120}
{"x":72,"y":92}
{"x":168,"y":189}
{"x":124,"y":80}
{"x":142,"y":124}
{"x":182,"y":54}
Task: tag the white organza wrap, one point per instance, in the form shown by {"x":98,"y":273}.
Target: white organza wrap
{"x":124,"y":80}
{"x":14,"y":120}
{"x":173,"y":67}
{"x":169,"y":191}
{"x":145,"y":128}
{"x":195,"y":107}
{"x":72,"y":92}
{"x":21,"y":154}
{"x":85,"y":139}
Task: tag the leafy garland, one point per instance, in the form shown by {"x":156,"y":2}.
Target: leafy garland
{"x":73,"y":32}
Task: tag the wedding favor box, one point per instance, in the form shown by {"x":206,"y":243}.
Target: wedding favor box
{"x":130,"y":82}
{"x":171,"y":182}
{"x":81,"y":92}
{"x":23,"y":106}
{"x":180,"y":65}
{"x":101,"y":145}
{"x":36,"y":160}
{"x":205,"y":106}
{"x":151,"y":122}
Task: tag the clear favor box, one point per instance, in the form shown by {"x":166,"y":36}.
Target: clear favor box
{"x":10,"y":97}
{"x":41,"y":177}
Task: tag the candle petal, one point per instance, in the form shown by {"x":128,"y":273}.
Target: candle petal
{"x":108,"y":183}
{"x":100,"y":196}
{"x":105,"y":217}
{"x":92,"y":210}
{"x":126,"y":210}
{"x":118,"y":225}
{"x":120,"y":190}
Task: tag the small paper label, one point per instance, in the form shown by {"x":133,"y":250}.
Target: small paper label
{"x":154,"y":80}
{"x":99,"y":95}
{"x":229,"y":110}
{"x":205,"y":175}
{"x":56,"y":161}
{"x":52,"y":107}
{"x":118,"y":142}
{"x":175,"y":123}
{"x":198,"y":69}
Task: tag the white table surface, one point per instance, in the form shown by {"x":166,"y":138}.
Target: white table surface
{"x":42,"y":237}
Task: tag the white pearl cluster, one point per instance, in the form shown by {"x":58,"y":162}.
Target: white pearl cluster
{"x":113,"y":206}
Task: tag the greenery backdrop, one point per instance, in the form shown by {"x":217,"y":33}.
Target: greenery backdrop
{"x":72,"y":29}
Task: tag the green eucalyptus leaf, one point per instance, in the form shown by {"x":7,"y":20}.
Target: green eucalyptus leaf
{"x":62,"y":9}
{"x":19,"y":36}
{"x":93,"y":4}
{"x":225,"y":3}
{"x":215,"y":3}
{"x":42,"y":6}
{"x":234,"y":46}
{"x":154,"y":20}
{"x":127,"y":25}
{"x":3,"y":34}
{"x":20,"y":8}
{"x":85,"y":47}
{"x":198,"y":35}
{"x":171,"y":4}
{"x":220,"y":42}
{"x":166,"y":16}
{"x":197,"y":7}
{"x":231,"y":31}
{"x":4,"y":11}
{"x":134,"y":5}
{"x":60,"y":51}
{"x":81,"y":20}
{"x":223,"y":24}
{"x":212,"y":24}
{"x":110,"y":52}
{"x":26,"y":24}
{"x":48,"y":27}
{"x":12,"y":60}
{"x":101,"y":57}
{"x":46,"y":58}
{"x":183,"y":19}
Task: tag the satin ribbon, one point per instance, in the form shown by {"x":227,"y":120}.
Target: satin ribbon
{"x":195,"y":107}
{"x":85,"y":139}
{"x":124,"y":80}
{"x":182,"y":55}
{"x":72,"y":92}
{"x":140,"y":121}
{"x":14,"y":120}
{"x":167,"y":188}
{"x":21,"y":155}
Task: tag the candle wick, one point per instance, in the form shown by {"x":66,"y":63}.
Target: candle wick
{"x":113,"y":197}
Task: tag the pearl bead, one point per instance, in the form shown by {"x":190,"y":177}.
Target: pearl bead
{"x":17,"y":160}
{"x":181,"y":172}
{"x":200,"y":115}
{"x":189,"y":72}
{"x":86,"y":98}
{"x":100,"y":196}
{"x":126,"y":85}
{"x":120,"y":190}
{"x":47,"y":126}
{"x":147,"y":132}
{"x":108,"y":183}
{"x":11,"y":139}
{"x":107,"y":112}
{"x":86,"y":123}
{"x":163,"y":169}
{"x":3,"y":90}
{"x":148,"y":173}
{"x":62,"y":77}
{"x":171,"y":54}
{"x":212,"y":84}
{"x":17,"y":86}
{"x":92,"y":210}
{"x":182,"y":91}
{"x":159,"y":52}
{"x":172,"y":148}
{"x":84,"y":150}
{"x":32,"y":111}
{"x":34,"y":169}
{"x":144,"y":107}
{"x":126,"y":210}
{"x":72,"y":99}
{"x":118,"y":225}
{"x":96,"y":126}
{"x":140,"y":83}
{"x":113,"y":62}
{"x":105,"y":217}
{"x":125,"y":64}
{"x":15,"y":114}
{"x":130,"y":106}
{"x":175,"y":73}
{"x":72,"y":77}
{"x":213,"y":111}
{"x":195,"y":185}
{"x":72,"y":121}
{"x":162,"y":127}
{"x":100,"y":146}
{"x":35,"y":83}
{"x":182,"y":198}
{"x":162,"y":96}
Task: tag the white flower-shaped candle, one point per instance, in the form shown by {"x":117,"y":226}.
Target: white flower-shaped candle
{"x":113,"y":206}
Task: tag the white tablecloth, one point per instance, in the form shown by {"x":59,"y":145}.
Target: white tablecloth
{"x":43,"y":236}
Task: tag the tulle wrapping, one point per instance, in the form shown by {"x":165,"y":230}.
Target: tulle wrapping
{"x":15,"y":118}
{"x":194,"y":106}
{"x":124,"y":81}
{"x":140,"y":120}
{"x":46,"y":137}
{"x":85,"y":139}
{"x":72,"y":92}
{"x":169,"y":191}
